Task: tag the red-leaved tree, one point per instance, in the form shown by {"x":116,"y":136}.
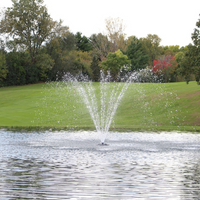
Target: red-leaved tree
{"x":165,"y":66}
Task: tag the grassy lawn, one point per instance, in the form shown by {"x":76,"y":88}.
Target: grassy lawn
{"x":171,"y":106}
{"x":146,"y":106}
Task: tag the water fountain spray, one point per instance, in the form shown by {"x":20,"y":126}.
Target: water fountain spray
{"x":103,"y":109}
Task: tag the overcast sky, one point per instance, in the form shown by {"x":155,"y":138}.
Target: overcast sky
{"x":172,"y":20}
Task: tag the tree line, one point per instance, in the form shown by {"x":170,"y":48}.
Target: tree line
{"x":34,"y":48}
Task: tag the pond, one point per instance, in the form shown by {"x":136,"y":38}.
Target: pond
{"x":71,"y":165}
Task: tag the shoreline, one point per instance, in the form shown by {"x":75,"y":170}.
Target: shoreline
{"x":192,"y":129}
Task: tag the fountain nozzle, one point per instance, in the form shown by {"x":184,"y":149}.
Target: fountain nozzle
{"x":103,"y":144}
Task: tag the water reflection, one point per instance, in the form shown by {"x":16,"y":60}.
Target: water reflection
{"x":191,"y":182}
{"x":22,"y":178}
{"x":72,"y":166}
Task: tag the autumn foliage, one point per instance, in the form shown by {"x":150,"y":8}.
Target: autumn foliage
{"x":166,"y":67}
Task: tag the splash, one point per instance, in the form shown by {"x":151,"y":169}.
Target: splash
{"x":102,"y":104}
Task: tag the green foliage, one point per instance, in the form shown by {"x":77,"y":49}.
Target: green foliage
{"x":28,"y":23}
{"x":135,"y":52}
{"x":3,"y":67}
{"x":69,"y":63}
{"x":190,"y":64}
{"x":185,"y":68}
{"x":30,"y":26}
{"x":82,"y":42}
{"x":101,"y":45}
{"x":41,"y":49}
{"x":95,"y":68}
{"x":196,"y":52}
{"x":44,"y":64}
{"x":85,"y":59}
{"x":171,"y":50}
{"x":114,"y":62}
{"x":59,"y":48}
{"x":179,"y":59}
{"x":18,"y":67}
{"x":152,"y":47}
{"x":179,"y":56}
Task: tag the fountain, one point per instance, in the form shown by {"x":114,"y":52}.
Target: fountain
{"x":69,"y":164}
{"x":100,"y":99}
{"x":103,"y":109}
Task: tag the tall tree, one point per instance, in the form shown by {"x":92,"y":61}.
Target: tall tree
{"x":59,"y":48}
{"x":190,"y":64}
{"x":136,"y":53}
{"x":113,"y":40}
{"x":82,"y":42}
{"x":196,"y":51}
{"x":101,"y":45}
{"x":95,"y":68}
{"x":19,"y":69}
{"x":28,"y":23}
{"x":3,"y":67}
{"x":115,"y":34}
{"x":186,"y":63}
{"x":152,"y":46}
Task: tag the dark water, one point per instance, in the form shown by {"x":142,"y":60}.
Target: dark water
{"x":71,"y":165}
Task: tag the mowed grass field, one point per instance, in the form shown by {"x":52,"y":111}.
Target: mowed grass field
{"x":145,"y":106}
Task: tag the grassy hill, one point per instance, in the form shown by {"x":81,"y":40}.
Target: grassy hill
{"x":145,"y":106}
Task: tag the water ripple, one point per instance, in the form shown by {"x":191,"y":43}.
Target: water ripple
{"x":63,"y":165}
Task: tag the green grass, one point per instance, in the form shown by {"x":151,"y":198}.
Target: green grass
{"x":147,"y":106}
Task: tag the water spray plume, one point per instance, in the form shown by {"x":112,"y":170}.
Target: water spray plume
{"x":102,"y":109}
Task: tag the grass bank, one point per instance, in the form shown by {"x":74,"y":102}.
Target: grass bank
{"x":146,"y":106}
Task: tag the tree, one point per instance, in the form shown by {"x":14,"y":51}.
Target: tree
{"x":115,"y":34}
{"x":190,"y":64}
{"x":45,"y":64}
{"x":71,"y":63}
{"x":135,"y":52}
{"x":165,"y":66}
{"x":59,"y":48}
{"x":101,"y":45}
{"x":152,"y":47}
{"x":179,"y":58}
{"x":28,"y":23}
{"x":196,"y":51}
{"x":85,"y":58}
{"x":186,"y":63}
{"x":171,"y":50}
{"x":19,"y":69}
{"x":95,"y":68}
{"x":113,"y":40}
{"x":3,"y":67}
{"x":82,"y":42}
{"x":114,"y":62}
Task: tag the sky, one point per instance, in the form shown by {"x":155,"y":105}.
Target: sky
{"x":172,"y":20}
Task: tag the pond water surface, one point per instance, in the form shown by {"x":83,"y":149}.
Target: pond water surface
{"x":71,"y":165}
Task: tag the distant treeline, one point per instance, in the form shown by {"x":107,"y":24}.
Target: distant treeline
{"x":35,"y":48}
